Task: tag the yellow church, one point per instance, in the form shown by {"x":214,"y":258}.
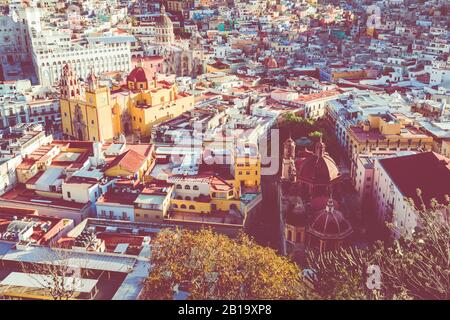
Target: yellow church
{"x":97,"y":113}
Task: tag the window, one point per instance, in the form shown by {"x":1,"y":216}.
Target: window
{"x":195,"y":188}
{"x":179,"y":186}
{"x":247,"y":173}
{"x":68,"y":195}
{"x":187,"y":187}
{"x":175,"y":206}
{"x":191,"y":207}
{"x":183,"y":206}
{"x":187,"y":198}
{"x":92,"y":122}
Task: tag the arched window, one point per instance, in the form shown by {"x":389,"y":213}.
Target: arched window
{"x":179,"y":186}
{"x":187,"y":187}
{"x":183,"y":206}
{"x":187,"y":198}
{"x":195,"y":187}
{"x":289,"y":235}
{"x":179,"y":197}
{"x":175,"y":206}
{"x":191,"y":207}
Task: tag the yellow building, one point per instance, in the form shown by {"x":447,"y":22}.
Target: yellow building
{"x":133,"y":161}
{"x":387,"y":132}
{"x":153,"y":203}
{"x":445,"y":149}
{"x":247,"y":168}
{"x":96,"y":113}
{"x":88,"y":116}
{"x":218,"y":66}
{"x":209,"y":193}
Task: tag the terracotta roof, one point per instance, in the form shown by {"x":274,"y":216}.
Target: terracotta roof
{"x":433,"y":180}
{"x":129,"y":160}
{"x":140,"y":74}
{"x":318,"y":96}
{"x":219,"y":65}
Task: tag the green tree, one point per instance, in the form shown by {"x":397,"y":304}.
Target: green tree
{"x":213,"y":266}
{"x":315,"y":135}
{"x":415,"y":267}
{"x":292,"y":124}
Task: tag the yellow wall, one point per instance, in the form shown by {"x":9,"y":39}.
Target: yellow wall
{"x":24,"y":174}
{"x":103,"y":124}
{"x":211,"y":69}
{"x":349,"y":74}
{"x":252,"y":166}
{"x":96,"y":114}
{"x":224,"y":205}
{"x":199,"y":206}
{"x":146,"y":215}
{"x":159,"y":106}
{"x":118,"y":171}
{"x":446,"y":148}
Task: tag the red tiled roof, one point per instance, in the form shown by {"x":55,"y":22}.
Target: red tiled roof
{"x":433,"y":180}
{"x":318,"y":96}
{"x":140,"y":74}
{"x":219,"y":65}
{"x":129,"y":160}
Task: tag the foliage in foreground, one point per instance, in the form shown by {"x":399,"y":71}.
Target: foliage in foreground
{"x":213,"y":266}
{"x":411,"y":268}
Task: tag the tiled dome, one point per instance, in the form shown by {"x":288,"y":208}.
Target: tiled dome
{"x":318,"y":168}
{"x":330,"y":224}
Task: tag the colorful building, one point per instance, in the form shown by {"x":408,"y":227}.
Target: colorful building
{"x":96,"y":113}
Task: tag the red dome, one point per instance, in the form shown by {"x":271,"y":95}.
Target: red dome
{"x":140,"y":74}
{"x":319,"y":168}
{"x":330,"y":224}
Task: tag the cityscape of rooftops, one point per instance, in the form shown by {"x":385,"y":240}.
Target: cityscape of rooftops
{"x":224,"y":150}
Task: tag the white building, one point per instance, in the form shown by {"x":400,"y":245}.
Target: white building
{"x":22,"y":103}
{"x":15,"y":46}
{"x":100,"y":55}
{"x":8,"y":177}
{"x":397,"y":179}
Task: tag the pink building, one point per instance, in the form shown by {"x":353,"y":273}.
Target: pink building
{"x":153,"y":64}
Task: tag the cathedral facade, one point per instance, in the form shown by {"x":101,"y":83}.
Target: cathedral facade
{"x":96,"y":113}
{"x":183,"y":57}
